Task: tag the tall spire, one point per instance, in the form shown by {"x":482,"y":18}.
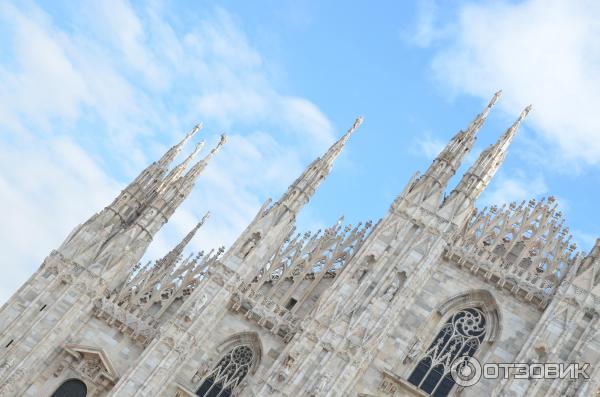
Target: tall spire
{"x":274,"y":223}
{"x":193,"y":173}
{"x":305,"y":186}
{"x":335,"y":149}
{"x":175,"y":191}
{"x":148,"y":179}
{"x":170,"y":155}
{"x":178,"y":171}
{"x":433,"y":183}
{"x":479,"y":175}
{"x":172,"y":256}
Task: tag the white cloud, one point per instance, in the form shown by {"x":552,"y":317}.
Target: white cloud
{"x":83,"y":109}
{"x":46,"y":189}
{"x":538,"y":51}
{"x":517,"y":187}
{"x":428,"y":145}
{"x":427,"y":29}
{"x":38,"y":89}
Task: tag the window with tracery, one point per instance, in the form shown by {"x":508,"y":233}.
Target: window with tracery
{"x":228,"y":373}
{"x":459,"y":337}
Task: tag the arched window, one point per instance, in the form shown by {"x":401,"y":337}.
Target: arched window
{"x":71,"y":388}
{"x":459,"y":337}
{"x":228,"y":373}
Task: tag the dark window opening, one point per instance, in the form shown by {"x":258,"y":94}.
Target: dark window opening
{"x":71,"y":388}
{"x":291,"y":303}
{"x":459,"y":339}
{"x":228,"y":373}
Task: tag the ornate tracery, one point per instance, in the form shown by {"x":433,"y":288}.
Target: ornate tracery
{"x":228,"y":373}
{"x":459,"y":337}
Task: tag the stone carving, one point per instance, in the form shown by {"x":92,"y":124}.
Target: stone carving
{"x":320,"y":386}
{"x":250,"y":244}
{"x":361,"y":272}
{"x":6,"y":365}
{"x":91,"y":366}
{"x":203,"y":368}
{"x":165,"y":281}
{"x":194,"y":309}
{"x":391,"y":290}
{"x":524,"y":245}
{"x":10,"y":384}
{"x":388,"y":386}
{"x":415,"y":350}
{"x":113,"y":314}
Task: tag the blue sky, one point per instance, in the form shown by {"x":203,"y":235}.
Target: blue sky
{"x":91,"y":93}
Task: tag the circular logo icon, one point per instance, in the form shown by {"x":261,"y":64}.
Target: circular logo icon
{"x":466,"y":371}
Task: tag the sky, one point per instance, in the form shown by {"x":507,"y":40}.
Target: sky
{"x":92,"y":92}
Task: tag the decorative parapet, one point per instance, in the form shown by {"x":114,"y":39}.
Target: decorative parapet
{"x":140,"y":329}
{"x":287,"y":287}
{"x":157,"y":286}
{"x":524,"y":248}
{"x":264,"y":311}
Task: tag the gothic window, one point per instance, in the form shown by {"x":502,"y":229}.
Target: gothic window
{"x":228,"y":373}
{"x":71,"y":388}
{"x":459,"y":337}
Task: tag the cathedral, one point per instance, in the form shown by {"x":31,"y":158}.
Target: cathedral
{"x":406,"y":306}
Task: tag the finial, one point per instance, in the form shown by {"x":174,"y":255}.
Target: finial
{"x":193,"y":173}
{"x":524,"y":113}
{"x":222,"y":142}
{"x":194,"y":130}
{"x":218,"y":147}
{"x":180,"y":168}
{"x":494,"y":98}
{"x":357,"y":123}
{"x":197,"y":148}
{"x":189,"y":158}
{"x":204,"y":219}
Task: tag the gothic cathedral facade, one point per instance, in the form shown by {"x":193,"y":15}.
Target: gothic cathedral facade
{"x":393,"y":308}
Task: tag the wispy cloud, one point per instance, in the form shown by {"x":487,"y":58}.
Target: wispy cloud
{"x":86,"y":103}
{"x":517,"y":187}
{"x":427,"y":28}
{"x":538,"y":51}
{"x":429,"y":146}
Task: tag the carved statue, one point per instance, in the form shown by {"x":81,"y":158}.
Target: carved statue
{"x":393,"y":288}
{"x":320,"y":386}
{"x":201,"y":371}
{"x":250,"y":244}
{"x":361,"y":272}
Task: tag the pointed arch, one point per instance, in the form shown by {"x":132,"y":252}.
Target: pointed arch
{"x":71,"y":388}
{"x":240,"y":355}
{"x":462,"y":326}
{"x":476,"y":298}
{"x":247,"y":338}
